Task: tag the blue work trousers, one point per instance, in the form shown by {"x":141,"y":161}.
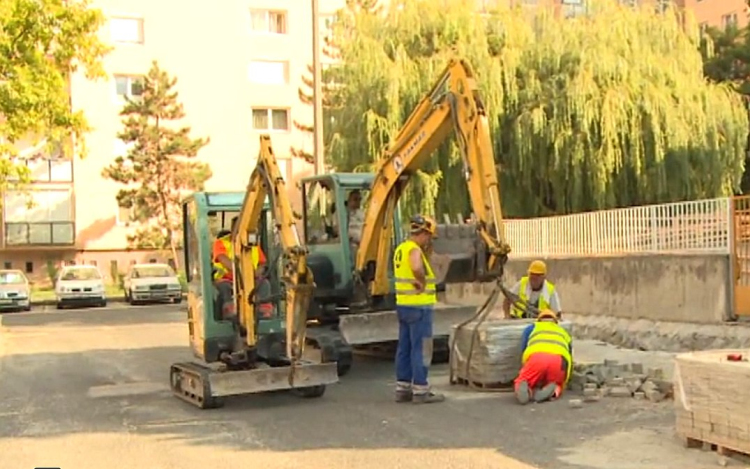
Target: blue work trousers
{"x":414,"y":353}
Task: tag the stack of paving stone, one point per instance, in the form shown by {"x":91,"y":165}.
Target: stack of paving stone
{"x":711,"y":399}
{"x":614,"y":379}
{"x":494,"y":358}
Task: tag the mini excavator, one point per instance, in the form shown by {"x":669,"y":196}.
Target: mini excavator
{"x":247,"y":352}
{"x":353,"y":304}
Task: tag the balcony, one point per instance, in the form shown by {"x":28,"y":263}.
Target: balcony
{"x":40,"y":234}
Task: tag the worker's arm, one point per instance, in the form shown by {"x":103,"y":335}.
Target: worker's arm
{"x":506,"y":302}
{"x":525,"y":337}
{"x":220,"y":255}
{"x":417,"y":267}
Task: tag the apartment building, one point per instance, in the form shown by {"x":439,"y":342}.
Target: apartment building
{"x":239,"y":66}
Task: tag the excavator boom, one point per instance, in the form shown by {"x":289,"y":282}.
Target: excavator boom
{"x":266,"y":181}
{"x":453,"y":104}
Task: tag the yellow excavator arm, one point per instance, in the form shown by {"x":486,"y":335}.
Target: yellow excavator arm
{"x":454,"y":104}
{"x":266,"y":181}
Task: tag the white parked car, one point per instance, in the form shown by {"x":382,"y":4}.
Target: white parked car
{"x":79,"y":285}
{"x":15,"y":292}
{"x":152,"y":282}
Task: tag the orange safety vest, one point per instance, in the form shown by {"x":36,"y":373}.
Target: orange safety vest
{"x":221,"y":271}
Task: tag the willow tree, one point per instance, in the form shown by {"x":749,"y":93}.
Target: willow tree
{"x":603,"y":110}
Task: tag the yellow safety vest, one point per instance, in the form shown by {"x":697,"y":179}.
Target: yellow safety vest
{"x":545,"y":296}
{"x":219,"y":267}
{"x":549,"y":337}
{"x":406,"y":294}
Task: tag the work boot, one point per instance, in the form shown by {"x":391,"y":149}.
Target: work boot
{"x":522,"y":393}
{"x":404,"y":395}
{"x":545,"y":393}
{"x":427,"y":398}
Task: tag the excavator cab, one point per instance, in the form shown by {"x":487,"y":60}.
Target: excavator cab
{"x":333,"y":217}
{"x":207,"y":216}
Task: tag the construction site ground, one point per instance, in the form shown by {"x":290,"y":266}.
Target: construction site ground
{"x":89,"y":388}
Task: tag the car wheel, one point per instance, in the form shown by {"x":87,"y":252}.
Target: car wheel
{"x":128,"y":297}
{"x":59,"y":306}
{"x":27,"y":308}
{"x":103,"y":303}
{"x":177,"y":300}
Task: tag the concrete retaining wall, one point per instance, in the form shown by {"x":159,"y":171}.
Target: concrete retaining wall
{"x":668,"y":287}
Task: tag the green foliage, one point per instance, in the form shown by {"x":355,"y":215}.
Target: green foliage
{"x":160,"y":166}
{"x":52,"y":271}
{"x":601,"y":111}
{"x":41,"y":42}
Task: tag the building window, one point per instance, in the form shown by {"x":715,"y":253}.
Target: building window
{"x":729,"y":20}
{"x":126,"y":30}
{"x":124,"y":215}
{"x":93,"y":263}
{"x":49,"y":169}
{"x":29,"y":267}
{"x":39,"y":217}
{"x":130,"y":86}
{"x":270,"y":119}
{"x":268,"y":21}
{"x":266,"y":72}
{"x":7,"y":265}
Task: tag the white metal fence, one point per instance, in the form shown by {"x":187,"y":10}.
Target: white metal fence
{"x":700,"y":226}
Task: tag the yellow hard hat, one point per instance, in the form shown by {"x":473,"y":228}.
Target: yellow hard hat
{"x":423,"y":223}
{"x":538,"y":267}
{"x":546,"y":314}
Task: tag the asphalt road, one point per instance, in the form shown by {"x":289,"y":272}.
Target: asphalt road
{"x":85,"y":389}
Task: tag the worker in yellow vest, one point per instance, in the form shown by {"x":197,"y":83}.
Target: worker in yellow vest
{"x":416,"y":295}
{"x":535,"y":290}
{"x":223,"y":257}
{"x":547,"y":360}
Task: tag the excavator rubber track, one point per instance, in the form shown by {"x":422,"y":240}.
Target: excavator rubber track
{"x":190,"y":382}
{"x":332,"y":346}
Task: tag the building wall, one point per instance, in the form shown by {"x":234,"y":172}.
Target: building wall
{"x":210,"y":51}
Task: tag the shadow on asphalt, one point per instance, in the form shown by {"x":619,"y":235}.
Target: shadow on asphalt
{"x":46,"y":395}
{"x":111,"y":316}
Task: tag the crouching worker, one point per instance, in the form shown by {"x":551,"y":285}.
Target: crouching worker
{"x":547,"y":360}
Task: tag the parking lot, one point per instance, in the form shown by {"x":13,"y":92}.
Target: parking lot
{"x":88,"y":388}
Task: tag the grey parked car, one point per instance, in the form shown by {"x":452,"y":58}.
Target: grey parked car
{"x":15,"y":292}
{"x":152,"y":283}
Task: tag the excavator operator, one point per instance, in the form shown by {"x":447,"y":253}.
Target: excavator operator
{"x":534,"y":289}
{"x":416,"y":295}
{"x":223,"y":257}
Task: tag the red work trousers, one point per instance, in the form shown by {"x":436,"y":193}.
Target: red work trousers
{"x":542,"y":369}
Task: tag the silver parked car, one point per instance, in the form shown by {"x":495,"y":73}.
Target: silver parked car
{"x":15,"y":291}
{"x":152,"y":283}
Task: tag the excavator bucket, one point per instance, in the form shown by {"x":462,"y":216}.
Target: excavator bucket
{"x":206,"y":387}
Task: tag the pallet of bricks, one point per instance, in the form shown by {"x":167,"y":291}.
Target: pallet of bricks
{"x":711,"y":396}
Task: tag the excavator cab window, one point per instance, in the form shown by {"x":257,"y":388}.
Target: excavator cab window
{"x":320,"y":212}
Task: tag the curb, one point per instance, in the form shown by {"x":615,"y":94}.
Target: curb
{"x":114,"y":299}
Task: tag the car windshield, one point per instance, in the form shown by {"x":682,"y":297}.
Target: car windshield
{"x":11,"y":278}
{"x":81,"y":274}
{"x":152,"y":271}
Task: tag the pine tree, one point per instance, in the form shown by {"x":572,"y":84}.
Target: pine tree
{"x":607,"y":110}
{"x":160,"y":166}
